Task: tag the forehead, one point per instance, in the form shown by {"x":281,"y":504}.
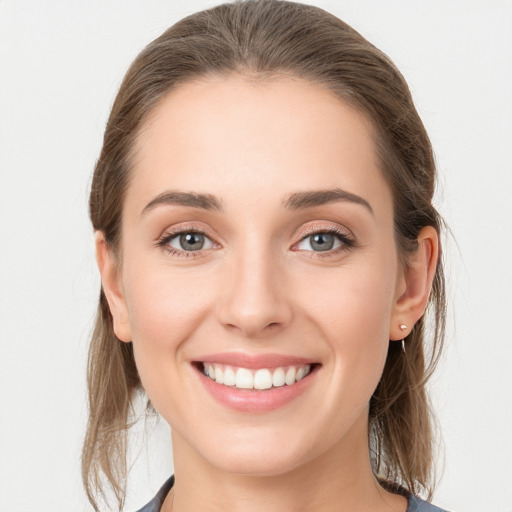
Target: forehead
{"x":242,"y":139}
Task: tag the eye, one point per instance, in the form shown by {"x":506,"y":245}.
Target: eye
{"x":324,"y":241}
{"x":319,"y":242}
{"x":186,"y":241}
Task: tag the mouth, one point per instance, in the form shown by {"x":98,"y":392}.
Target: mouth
{"x":255,"y":385}
{"x":256,"y":379}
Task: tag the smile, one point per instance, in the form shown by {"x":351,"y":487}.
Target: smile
{"x":255,"y":383}
{"x":258,"y":379}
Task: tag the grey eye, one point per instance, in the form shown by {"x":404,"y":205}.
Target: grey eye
{"x":319,"y":242}
{"x":190,"y":241}
{"x":322,"y":241}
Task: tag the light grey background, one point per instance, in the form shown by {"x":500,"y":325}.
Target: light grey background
{"x":61,"y":63}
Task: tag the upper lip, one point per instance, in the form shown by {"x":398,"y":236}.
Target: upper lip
{"x":249,"y":361}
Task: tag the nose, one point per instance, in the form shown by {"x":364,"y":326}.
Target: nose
{"x":256,"y":299}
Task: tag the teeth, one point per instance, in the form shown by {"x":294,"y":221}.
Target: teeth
{"x":301,"y":372}
{"x":219,"y":375}
{"x":229,"y":377}
{"x":260,"y":379}
{"x":278,"y":378}
{"x":290,"y":376}
{"x":244,"y":379}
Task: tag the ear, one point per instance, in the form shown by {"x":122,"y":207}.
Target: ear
{"x":112,"y":287}
{"x":414,"y":285}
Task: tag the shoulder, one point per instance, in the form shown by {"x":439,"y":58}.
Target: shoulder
{"x":418,"y":505}
{"x":156,"y":503}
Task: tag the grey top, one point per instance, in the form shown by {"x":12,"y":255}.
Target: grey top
{"x":415,"y":504}
{"x":156,"y":503}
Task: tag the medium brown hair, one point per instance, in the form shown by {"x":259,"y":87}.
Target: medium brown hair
{"x":265,"y":38}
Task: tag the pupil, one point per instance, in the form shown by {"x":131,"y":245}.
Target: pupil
{"x":322,"y":241}
{"x":192,"y":241}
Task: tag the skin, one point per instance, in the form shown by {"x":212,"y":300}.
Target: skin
{"x":259,"y":288}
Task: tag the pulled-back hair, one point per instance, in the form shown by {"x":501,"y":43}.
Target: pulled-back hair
{"x":266,"y":38}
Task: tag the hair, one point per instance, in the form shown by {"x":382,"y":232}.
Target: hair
{"x":260,"y":39}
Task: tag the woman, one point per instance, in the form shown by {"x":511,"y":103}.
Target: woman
{"x":268,"y":248}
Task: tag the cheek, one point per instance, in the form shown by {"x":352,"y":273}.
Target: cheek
{"x":355,"y":302}
{"x":165,"y":309}
{"x":352,"y":309}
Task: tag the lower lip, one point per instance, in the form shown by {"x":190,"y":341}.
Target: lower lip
{"x":255,"y":401}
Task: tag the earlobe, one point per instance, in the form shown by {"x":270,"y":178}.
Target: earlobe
{"x":418,"y":276}
{"x":112,"y":287}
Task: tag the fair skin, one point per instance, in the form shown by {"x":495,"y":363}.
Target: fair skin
{"x":265,"y":281}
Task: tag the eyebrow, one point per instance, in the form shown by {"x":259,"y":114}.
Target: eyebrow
{"x":301,"y":200}
{"x":178,"y":198}
{"x":295,"y":201}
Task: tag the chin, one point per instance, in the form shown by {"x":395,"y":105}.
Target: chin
{"x":262,"y":452}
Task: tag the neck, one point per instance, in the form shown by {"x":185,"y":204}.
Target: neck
{"x":340,"y":480}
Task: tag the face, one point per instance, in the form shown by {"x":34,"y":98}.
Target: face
{"x":257,"y":246}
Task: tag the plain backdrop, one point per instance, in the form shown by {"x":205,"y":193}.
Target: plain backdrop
{"x":61,"y":63}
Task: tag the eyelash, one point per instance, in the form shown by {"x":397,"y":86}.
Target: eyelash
{"x":347,"y":242}
{"x":167,"y":237}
